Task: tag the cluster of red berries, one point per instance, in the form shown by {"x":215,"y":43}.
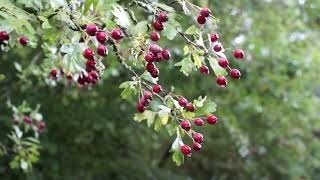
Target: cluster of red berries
{"x":155,"y":53}
{"x":204,"y":14}
{"x":4,"y":36}
{"x":39,"y":125}
{"x":146,"y":98}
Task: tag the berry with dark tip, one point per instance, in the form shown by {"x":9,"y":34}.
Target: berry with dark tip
{"x":212,"y":119}
{"x":166,"y":54}
{"x":156,"y":88}
{"x":158,"y":26}
{"x":91,"y":29}
{"x":154,"y":36}
{"x":90,"y":64}
{"x":101,"y":37}
{"x":238,"y":53}
{"x":150,"y":67}
{"x":198,"y":137}
{"x":27,"y":119}
{"x":204,"y":70}
{"x":149,"y":57}
{"x":24,"y":40}
{"x":223,"y":62}
{"x":186,"y":150}
{"x":102,"y":50}
{"x":185,"y":125}
{"x":4,"y":36}
{"x":140,"y":107}
{"x":116,"y":34}
{"x":202,"y":19}
{"x":81,"y":80}
{"x":155,"y":49}
{"x":155,"y":73}
{"x":147,"y":95}
{"x":205,"y":12}
{"x":217,"y":48}
{"x":183,"y":102}
{"x":88,"y":53}
{"x":54,"y":73}
{"x":214,"y":37}
{"x":144,"y":101}
{"x":94,"y":75}
{"x":41,"y":125}
{"x":190,"y":107}
{"x":158,"y":57}
{"x":198,"y":122}
{"x":197,"y":146}
{"x":163,"y":17}
{"x":235,"y":73}
{"x":221,"y":81}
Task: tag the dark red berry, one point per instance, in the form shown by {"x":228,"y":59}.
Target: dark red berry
{"x":94,"y":75}
{"x":163,"y":17}
{"x":88,"y":53}
{"x":205,"y":12}
{"x":150,"y":67}
{"x":102,"y":37}
{"x":223,"y":62}
{"x":54,"y":73}
{"x":90,"y":64}
{"x":221,"y":81}
{"x":204,"y":70}
{"x":116,"y":34}
{"x":190,"y":107}
{"x":185,"y":125}
{"x":156,"y":88}
{"x":235,"y":74}
{"x":155,"y":73}
{"x":238,"y":53}
{"x":166,"y":54}
{"x":201,"y":19}
{"x":217,"y":48}
{"x":102,"y":50}
{"x":41,"y":125}
{"x":149,"y":57}
{"x":155,"y":49}
{"x":23,"y":40}
{"x":69,"y":77}
{"x":91,"y":29}
{"x":81,"y":80}
{"x":88,"y":78}
{"x":198,"y":122}
{"x":144,"y":101}
{"x":183,"y":102}
{"x":214,"y":37}
{"x":141,"y":108}
{"x":158,"y":26}
{"x":198,"y":137}
{"x":147,"y":95}
{"x":27,"y":119}
{"x":186,"y":150}
{"x":197,"y":146}
{"x":4,"y":36}
{"x":211,"y":119}
{"x":154,"y":36}
{"x":158,"y":57}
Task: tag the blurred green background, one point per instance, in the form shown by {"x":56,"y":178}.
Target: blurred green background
{"x":268,"y":121}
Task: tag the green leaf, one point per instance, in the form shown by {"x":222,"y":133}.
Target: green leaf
{"x":129,"y":88}
{"x":2,"y":77}
{"x":45,"y":22}
{"x":178,"y":157}
{"x":122,"y":18}
{"x":192,"y":30}
{"x":171,"y":128}
{"x":186,"y":65}
{"x":197,"y":60}
{"x":146,"y":115}
{"x":87,"y":5}
{"x":157,"y":124}
{"x":219,"y":71}
{"x":55,"y":4}
{"x":186,"y":50}
{"x":147,"y":76}
{"x":208,"y":107}
{"x":165,"y":7}
{"x":171,"y":27}
{"x":140,"y":28}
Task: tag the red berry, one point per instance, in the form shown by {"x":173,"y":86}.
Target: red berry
{"x":144,"y":101}
{"x":197,"y":146}
{"x":163,"y":17}
{"x":211,"y":119}
{"x":116,"y":34}
{"x":155,"y":49}
{"x":41,"y":125}
{"x":101,"y":37}
{"x":27,"y":119}
{"x":155,"y":73}
{"x":150,"y":67}
{"x":91,"y":29}
{"x":154,"y":36}
{"x":185,"y":125}
{"x":54,"y":73}
{"x":102,"y":50}
{"x":201,"y":19}
{"x":158,"y":57}
{"x":198,"y":122}
{"x":198,"y":137}
{"x":147,"y":95}
{"x":81,"y":80}
{"x":186,"y":150}
{"x":214,"y":37}
{"x":158,"y":26}
{"x":88,"y":53}
{"x":69,"y":77}
{"x":94,"y":75}
{"x":238,"y":53}
{"x":4,"y":36}
{"x":166,"y":54}
{"x":156,"y":88}
{"x":205,"y":12}
{"x":235,"y":74}
{"x":90,"y":64}
{"x":183,"y":102}
{"x":23,"y":40}
{"x":88,"y":79}
{"x":140,"y":107}
{"x":221,"y":81}
{"x":204,"y":70}
{"x":223,"y":62}
{"x":190,"y":107}
{"x":217,"y":48}
{"x":149,"y":57}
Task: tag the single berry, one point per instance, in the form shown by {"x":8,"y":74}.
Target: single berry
{"x":116,"y":34}
{"x":41,"y":125}
{"x":185,"y":125}
{"x":221,"y":81}
{"x":214,"y":37}
{"x":155,"y":49}
{"x":155,"y":73}
{"x":156,"y":88}
{"x":201,"y":19}
{"x":205,"y":12}
{"x":23,"y":40}
{"x":198,"y":122}
{"x":190,"y":107}
{"x":163,"y":17}
{"x":144,"y":101}
{"x":212,"y":119}
{"x":204,"y":70}
{"x":101,"y":37}
{"x":54,"y":73}
{"x":183,"y":102}
{"x":150,"y":67}
{"x":147,"y":95}
{"x":69,"y":77}
{"x":238,"y":53}
{"x":166,"y":54}
{"x":197,"y":146}
{"x":223,"y":62}
{"x":88,"y":53}
{"x":81,"y":80}
{"x":27,"y":119}
{"x":90,"y":64}
{"x":158,"y":26}
{"x":217,"y":48}
{"x":186,"y":150}
{"x":91,"y":29}
{"x":102,"y":50}
{"x":235,"y":74}
{"x":141,"y":108}
{"x":198,"y":137}
{"x":88,"y":79}
{"x":158,"y":57}
{"x":4,"y":36}
{"x":149,"y":57}
{"x":154,"y":36}
{"x":94,"y":75}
